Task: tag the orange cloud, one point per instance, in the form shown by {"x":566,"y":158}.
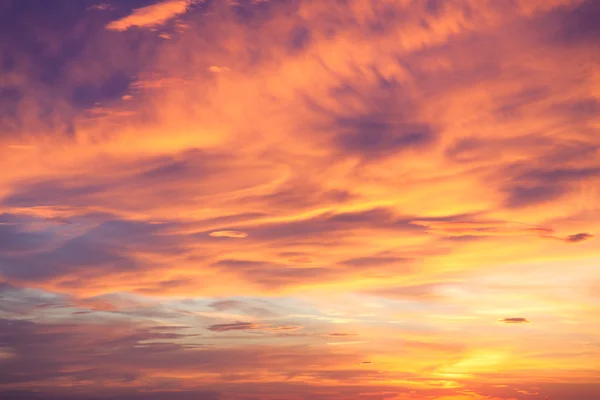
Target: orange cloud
{"x":152,"y":15}
{"x":231,"y":234}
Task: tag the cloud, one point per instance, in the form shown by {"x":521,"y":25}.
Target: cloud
{"x":514,"y":320}
{"x":377,"y":261}
{"x":157,"y":395}
{"x":125,"y":352}
{"x":22,"y":337}
{"x":95,"y":252}
{"x":217,"y":69}
{"x":285,"y":328}
{"x":236,"y":326}
{"x":340,"y":334}
{"x":15,"y":239}
{"x":533,"y":186}
{"x":19,"y":302}
{"x":152,"y":15}
{"x":150,"y":177}
{"x":328,"y":223}
{"x":578,"y":237}
{"x":460,"y":227}
{"x":243,"y":326}
{"x":371,"y":137}
{"x":274,"y":276}
{"x":230,"y":234}
{"x":224,"y":305}
{"x":576,"y":25}
{"x":256,"y":309}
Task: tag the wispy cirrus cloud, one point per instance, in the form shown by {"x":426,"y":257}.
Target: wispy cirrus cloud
{"x":151,"y":15}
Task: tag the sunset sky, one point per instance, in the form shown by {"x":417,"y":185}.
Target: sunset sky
{"x":300,"y":199}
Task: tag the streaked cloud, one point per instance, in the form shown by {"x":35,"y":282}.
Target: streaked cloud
{"x":230,"y":234}
{"x":514,"y":320}
{"x":578,"y":237}
{"x":152,"y":15}
{"x":217,"y":69}
{"x":243,"y":326}
{"x":236,"y":326}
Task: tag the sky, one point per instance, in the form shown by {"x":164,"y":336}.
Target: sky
{"x":300,"y":199}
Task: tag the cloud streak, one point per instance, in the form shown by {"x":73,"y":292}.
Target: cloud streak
{"x":514,"y":320}
{"x":152,"y":15}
